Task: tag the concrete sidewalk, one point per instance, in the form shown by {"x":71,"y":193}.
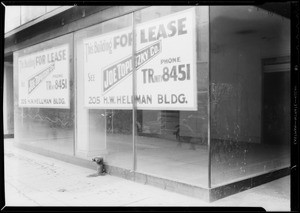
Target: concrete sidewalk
{"x":36,"y":180}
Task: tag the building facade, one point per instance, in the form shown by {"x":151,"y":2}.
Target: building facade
{"x":193,"y":99}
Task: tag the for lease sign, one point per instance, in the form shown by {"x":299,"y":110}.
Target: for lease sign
{"x":164,"y":61}
{"x":44,"y":78}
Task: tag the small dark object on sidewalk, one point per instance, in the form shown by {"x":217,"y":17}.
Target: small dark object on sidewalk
{"x":100,"y":165}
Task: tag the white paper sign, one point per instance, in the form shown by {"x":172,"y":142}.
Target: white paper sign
{"x":108,"y":68}
{"x":165,"y":62}
{"x":44,"y":78}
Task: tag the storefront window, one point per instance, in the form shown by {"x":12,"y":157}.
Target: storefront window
{"x":44,"y":95}
{"x":250,"y":90}
{"x":104,"y":90}
{"x":171,"y":136}
{"x":169,"y":94}
{"x":198,"y":95}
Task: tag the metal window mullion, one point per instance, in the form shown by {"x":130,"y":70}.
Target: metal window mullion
{"x":208,"y":104}
{"x":74,"y":93}
{"x":133,"y":93}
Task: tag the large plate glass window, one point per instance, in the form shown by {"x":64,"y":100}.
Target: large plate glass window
{"x":172,"y":93}
{"x":250,"y":90}
{"x":104,"y":91}
{"x":44,"y":95}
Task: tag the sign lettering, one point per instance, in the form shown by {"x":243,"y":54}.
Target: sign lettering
{"x":165,"y":65}
{"x":44,"y":78}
